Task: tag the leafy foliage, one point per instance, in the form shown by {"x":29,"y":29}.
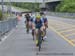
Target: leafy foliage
{"x":66,"y":6}
{"x":0,"y":15}
{"x":27,"y":5}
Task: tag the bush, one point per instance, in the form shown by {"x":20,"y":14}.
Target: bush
{"x":27,"y":5}
{"x":0,"y":15}
{"x":37,"y":9}
{"x":66,"y":6}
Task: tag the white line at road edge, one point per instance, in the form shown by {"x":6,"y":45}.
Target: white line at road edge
{"x":5,"y":37}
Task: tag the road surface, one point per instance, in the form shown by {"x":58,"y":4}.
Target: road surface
{"x":18,"y":43}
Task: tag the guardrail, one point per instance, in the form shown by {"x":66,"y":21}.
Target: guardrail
{"x":7,"y":25}
{"x":72,"y":15}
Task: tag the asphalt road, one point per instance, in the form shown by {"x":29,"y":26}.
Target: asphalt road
{"x":18,"y":43}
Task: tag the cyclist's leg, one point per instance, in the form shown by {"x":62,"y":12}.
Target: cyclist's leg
{"x":46,"y":26}
{"x":33,"y":30}
{"x":33,"y":33}
{"x":30,"y":24}
{"x":36,"y":34}
{"x":27,"y":26}
{"x":43,"y":32}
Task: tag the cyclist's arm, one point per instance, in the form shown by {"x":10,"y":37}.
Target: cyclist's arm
{"x":42,"y":21}
{"x":47,"y":20}
{"x":33,"y":23}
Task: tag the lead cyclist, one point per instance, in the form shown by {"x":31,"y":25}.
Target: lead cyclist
{"x":38,"y":23}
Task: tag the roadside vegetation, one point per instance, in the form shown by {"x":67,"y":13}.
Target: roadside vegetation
{"x":0,"y":15}
{"x":24,"y":6}
{"x":5,"y":15}
{"x":66,"y":6}
{"x":27,"y":5}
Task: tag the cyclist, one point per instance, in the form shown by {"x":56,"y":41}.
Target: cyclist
{"x":41,"y":13}
{"x":27,"y":21}
{"x":45,"y":24}
{"x":27,"y":16}
{"x":32,"y":19}
{"x":38,"y":24}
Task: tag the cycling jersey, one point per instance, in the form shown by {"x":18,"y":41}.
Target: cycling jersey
{"x":27,"y":18}
{"x":38,"y":24}
{"x":45,"y":20}
{"x":31,"y":19}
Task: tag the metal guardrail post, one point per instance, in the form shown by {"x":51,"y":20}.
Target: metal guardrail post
{"x":62,"y":14}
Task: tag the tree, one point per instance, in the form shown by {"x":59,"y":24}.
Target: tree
{"x":66,"y":6}
{"x":27,"y":5}
{"x":0,"y":15}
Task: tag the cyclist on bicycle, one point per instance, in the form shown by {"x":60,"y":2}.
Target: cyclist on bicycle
{"x":45,"y":24}
{"x":38,"y":24}
{"x":32,"y":19}
{"x":27,"y":21}
{"x":41,"y":13}
{"x":27,"y":16}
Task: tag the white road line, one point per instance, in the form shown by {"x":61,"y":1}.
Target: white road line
{"x":5,"y":37}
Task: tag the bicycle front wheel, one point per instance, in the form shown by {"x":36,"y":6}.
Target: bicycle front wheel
{"x":39,"y":40}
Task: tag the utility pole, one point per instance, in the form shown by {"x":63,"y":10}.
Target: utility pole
{"x":43,"y":3}
{"x":9,"y":7}
{"x":35,"y":6}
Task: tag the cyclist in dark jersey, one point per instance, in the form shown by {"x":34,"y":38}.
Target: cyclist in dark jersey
{"x":45,"y":24}
{"x":38,"y":24}
{"x":27,"y":16}
{"x":27,"y":21}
